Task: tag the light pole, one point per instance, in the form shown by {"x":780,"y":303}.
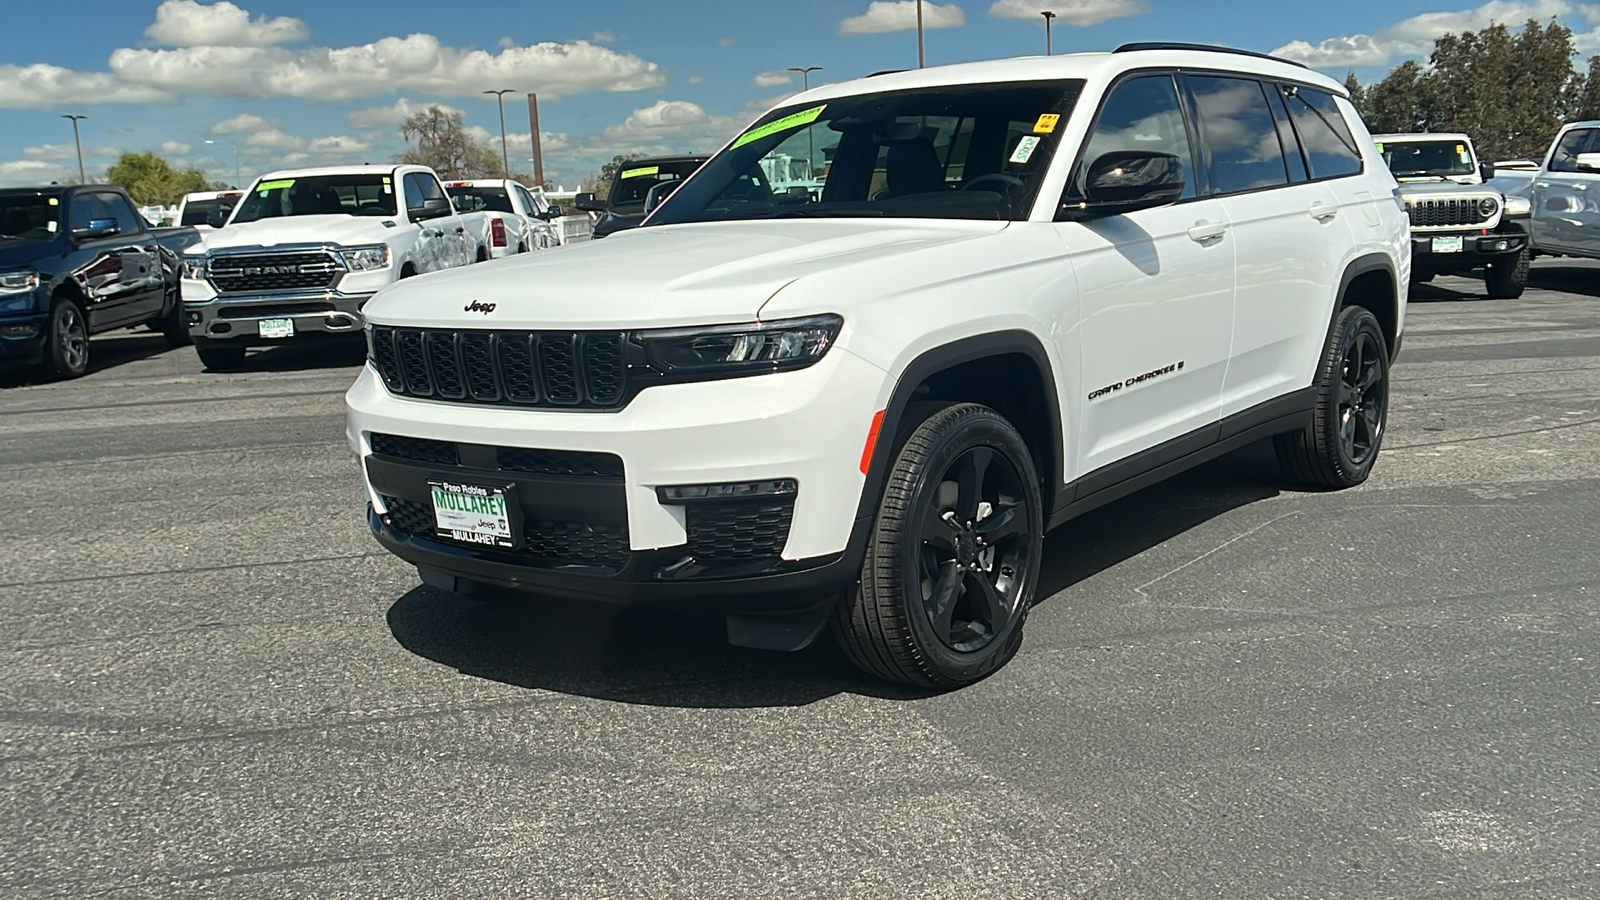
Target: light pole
{"x":920,"y":58}
{"x":811,"y":138}
{"x":236,"y":179}
{"x":505,"y":157}
{"x":78,"y":142}
{"x":1048,"y":15}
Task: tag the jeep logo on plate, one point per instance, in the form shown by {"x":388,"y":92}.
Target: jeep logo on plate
{"x":478,"y":306}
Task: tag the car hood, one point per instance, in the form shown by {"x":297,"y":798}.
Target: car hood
{"x":665,"y":276}
{"x":16,"y":254}
{"x":346,"y":230}
{"x":1410,"y":186}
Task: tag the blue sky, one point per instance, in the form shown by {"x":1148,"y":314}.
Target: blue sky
{"x":301,"y":82}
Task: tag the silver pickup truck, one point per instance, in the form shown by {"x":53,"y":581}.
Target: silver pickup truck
{"x":1563,"y":193}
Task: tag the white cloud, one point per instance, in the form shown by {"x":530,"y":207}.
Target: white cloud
{"x":185,"y":23}
{"x":1414,"y":36}
{"x":1082,"y":13}
{"x":33,"y":171}
{"x":391,"y":116}
{"x":697,"y":80}
{"x":901,"y":15}
{"x":603,"y":37}
{"x":64,"y":151}
{"x":771,"y":79}
{"x":176,"y":147}
{"x":42,"y":86}
{"x":274,"y":139}
{"x":243,"y":123}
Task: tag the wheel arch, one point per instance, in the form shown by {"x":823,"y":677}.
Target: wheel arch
{"x":1371,"y":282}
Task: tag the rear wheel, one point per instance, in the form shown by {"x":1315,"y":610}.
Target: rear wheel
{"x":953,"y":559}
{"x":219,"y":357}
{"x":1339,"y":447}
{"x":66,"y":353}
{"x":1507,"y":276}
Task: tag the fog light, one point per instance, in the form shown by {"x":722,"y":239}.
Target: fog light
{"x":194,"y":318}
{"x":19,"y":330}
{"x":1502,"y":245}
{"x":690,"y":493}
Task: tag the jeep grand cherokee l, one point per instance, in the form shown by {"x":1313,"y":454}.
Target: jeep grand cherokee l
{"x":1026,"y":288}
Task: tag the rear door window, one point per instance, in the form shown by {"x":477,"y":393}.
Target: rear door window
{"x":1330,"y":147}
{"x":1239,"y":135}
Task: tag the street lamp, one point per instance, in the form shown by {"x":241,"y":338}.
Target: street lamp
{"x":505,"y":157}
{"x":236,"y":179}
{"x":78,"y":142}
{"x":1048,"y":15}
{"x":811,"y":138}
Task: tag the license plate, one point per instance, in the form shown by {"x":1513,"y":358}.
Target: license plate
{"x":276,"y":328}
{"x":472,"y":513}
{"x":1447,"y":244}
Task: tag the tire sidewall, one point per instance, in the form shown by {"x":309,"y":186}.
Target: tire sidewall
{"x":57,"y":359}
{"x":1354,"y":321}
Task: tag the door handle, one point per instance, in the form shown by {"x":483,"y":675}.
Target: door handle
{"x":1203,"y":231}
{"x":461,"y":230}
{"x":1323,"y":212}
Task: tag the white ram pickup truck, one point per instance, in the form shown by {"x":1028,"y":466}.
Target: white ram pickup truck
{"x":515,"y":219}
{"x":303,"y":251}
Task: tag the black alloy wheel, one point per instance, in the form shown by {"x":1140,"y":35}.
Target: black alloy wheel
{"x":67,"y":353}
{"x":953,"y":558}
{"x":1363,"y":399}
{"x":1340,"y":445}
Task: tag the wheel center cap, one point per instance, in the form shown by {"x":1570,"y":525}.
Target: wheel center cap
{"x":966,"y":547}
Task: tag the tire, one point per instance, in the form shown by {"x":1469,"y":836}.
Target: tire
{"x":220,"y":358}
{"x":964,"y":463}
{"x":173,"y":324}
{"x":1340,"y":446}
{"x":483,"y":255}
{"x":1505,"y":279}
{"x":66,"y":351}
{"x":408,"y":270}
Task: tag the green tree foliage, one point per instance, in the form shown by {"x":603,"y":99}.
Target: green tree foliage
{"x":600,"y":182}
{"x":1511,"y":92}
{"x":152,"y":181}
{"x":438,"y":140}
{"x":1589,"y":99}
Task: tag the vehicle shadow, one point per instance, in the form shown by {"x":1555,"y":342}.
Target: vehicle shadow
{"x":1567,"y":279}
{"x":104,"y":353}
{"x":320,"y":354}
{"x":1433,"y":291}
{"x":659,"y":658}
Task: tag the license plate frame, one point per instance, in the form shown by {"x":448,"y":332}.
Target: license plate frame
{"x":275,"y":329}
{"x":495,"y":524}
{"x":1448,"y":244}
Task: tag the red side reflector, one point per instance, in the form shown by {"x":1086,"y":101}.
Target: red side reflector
{"x":872,"y":441}
{"x":497,"y":232}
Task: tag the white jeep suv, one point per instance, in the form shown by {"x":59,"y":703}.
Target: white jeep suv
{"x":1025,"y":288}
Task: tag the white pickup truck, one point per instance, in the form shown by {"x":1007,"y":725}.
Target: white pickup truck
{"x":303,"y":251}
{"x":517,"y":220}
{"x":1564,"y":193}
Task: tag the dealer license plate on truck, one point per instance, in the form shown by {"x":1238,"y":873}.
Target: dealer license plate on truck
{"x":276,"y":328}
{"x":1447,"y":244}
{"x":472,"y":513}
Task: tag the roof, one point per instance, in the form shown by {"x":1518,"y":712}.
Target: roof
{"x":1087,"y":66}
{"x":685,"y":158}
{"x":385,"y":169}
{"x":1428,"y":136}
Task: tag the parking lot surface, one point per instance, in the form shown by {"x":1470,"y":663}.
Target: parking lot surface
{"x":214,"y":683}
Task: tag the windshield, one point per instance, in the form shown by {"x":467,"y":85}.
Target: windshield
{"x":479,"y":199}
{"x":951,"y":152}
{"x":198,"y":212}
{"x":30,"y":217}
{"x":1435,"y":158}
{"x":319,"y":195}
{"x":636,"y":178}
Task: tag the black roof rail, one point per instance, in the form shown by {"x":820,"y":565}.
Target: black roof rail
{"x":888,"y":72}
{"x":1209,"y":48}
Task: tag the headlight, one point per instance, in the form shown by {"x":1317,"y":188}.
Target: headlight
{"x":741,"y":349}
{"x":1488,"y":206}
{"x":1518,"y":207}
{"x":18,"y":282}
{"x":363,"y":259}
{"x":196,"y":268}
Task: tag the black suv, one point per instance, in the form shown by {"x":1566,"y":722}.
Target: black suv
{"x":638,"y":187}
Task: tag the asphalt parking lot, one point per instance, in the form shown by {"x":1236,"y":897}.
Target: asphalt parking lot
{"x":213,"y":681}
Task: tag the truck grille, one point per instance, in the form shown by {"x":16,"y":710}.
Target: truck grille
{"x":564,"y":369}
{"x":1446,"y":212}
{"x":257,"y":273}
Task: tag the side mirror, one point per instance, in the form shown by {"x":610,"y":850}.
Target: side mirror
{"x":432,"y":208}
{"x":1589,"y":162}
{"x":588,"y":202}
{"x":99,"y":228}
{"x":554,"y":212}
{"x":1485,"y":170}
{"x":1126,"y":181}
{"x":658,"y":194}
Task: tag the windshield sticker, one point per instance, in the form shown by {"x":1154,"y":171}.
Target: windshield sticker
{"x":1025,"y":148}
{"x":387,"y":187}
{"x":804,"y":117}
{"x":641,"y":172}
{"x":1379,"y":145}
{"x":51,"y":227}
{"x":265,"y":186}
{"x":1046,"y":123}
{"x":55,"y":201}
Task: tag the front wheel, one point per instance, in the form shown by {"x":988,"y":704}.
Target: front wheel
{"x":173,"y":324}
{"x":66,"y":353}
{"x":1507,"y":277}
{"x":1339,"y":447}
{"x":953,"y":560}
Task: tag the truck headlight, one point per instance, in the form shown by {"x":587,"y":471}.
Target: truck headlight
{"x":731,"y":350}
{"x":1488,"y":206}
{"x":366,"y":259}
{"x":1518,"y":207}
{"x":196,"y":268}
{"x":19,"y":282}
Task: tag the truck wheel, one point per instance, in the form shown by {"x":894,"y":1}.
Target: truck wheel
{"x":953,"y":559}
{"x":173,"y":324}
{"x":1340,"y":445}
{"x":1506,"y":277}
{"x":220,"y":358}
{"x":66,"y":353}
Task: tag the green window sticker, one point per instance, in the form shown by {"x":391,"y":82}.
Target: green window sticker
{"x":641,"y":172}
{"x":804,"y":117}
{"x":1379,"y":145}
{"x":275,"y":185}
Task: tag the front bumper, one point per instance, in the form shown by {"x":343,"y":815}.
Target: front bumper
{"x":228,"y":318}
{"x":1476,"y":250}
{"x":22,"y":337}
{"x":601,"y":531}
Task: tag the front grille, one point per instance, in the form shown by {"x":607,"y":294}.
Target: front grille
{"x":441,"y":453}
{"x":563,"y":369}
{"x":558,"y":543}
{"x":256,"y":273}
{"x":735,"y":531}
{"x":560,"y":462}
{"x":262,"y":310}
{"x":1454,"y":211}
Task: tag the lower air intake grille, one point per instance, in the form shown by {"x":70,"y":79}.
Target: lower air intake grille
{"x":734,"y":531}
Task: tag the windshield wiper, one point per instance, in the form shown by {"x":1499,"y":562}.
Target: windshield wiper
{"x":804,"y":213}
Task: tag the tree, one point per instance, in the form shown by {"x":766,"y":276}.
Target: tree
{"x":441,"y":142}
{"x":600,"y":182}
{"x":1589,"y":100}
{"x":152,"y":181}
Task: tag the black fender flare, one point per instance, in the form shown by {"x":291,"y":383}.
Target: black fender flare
{"x":1362,"y":265}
